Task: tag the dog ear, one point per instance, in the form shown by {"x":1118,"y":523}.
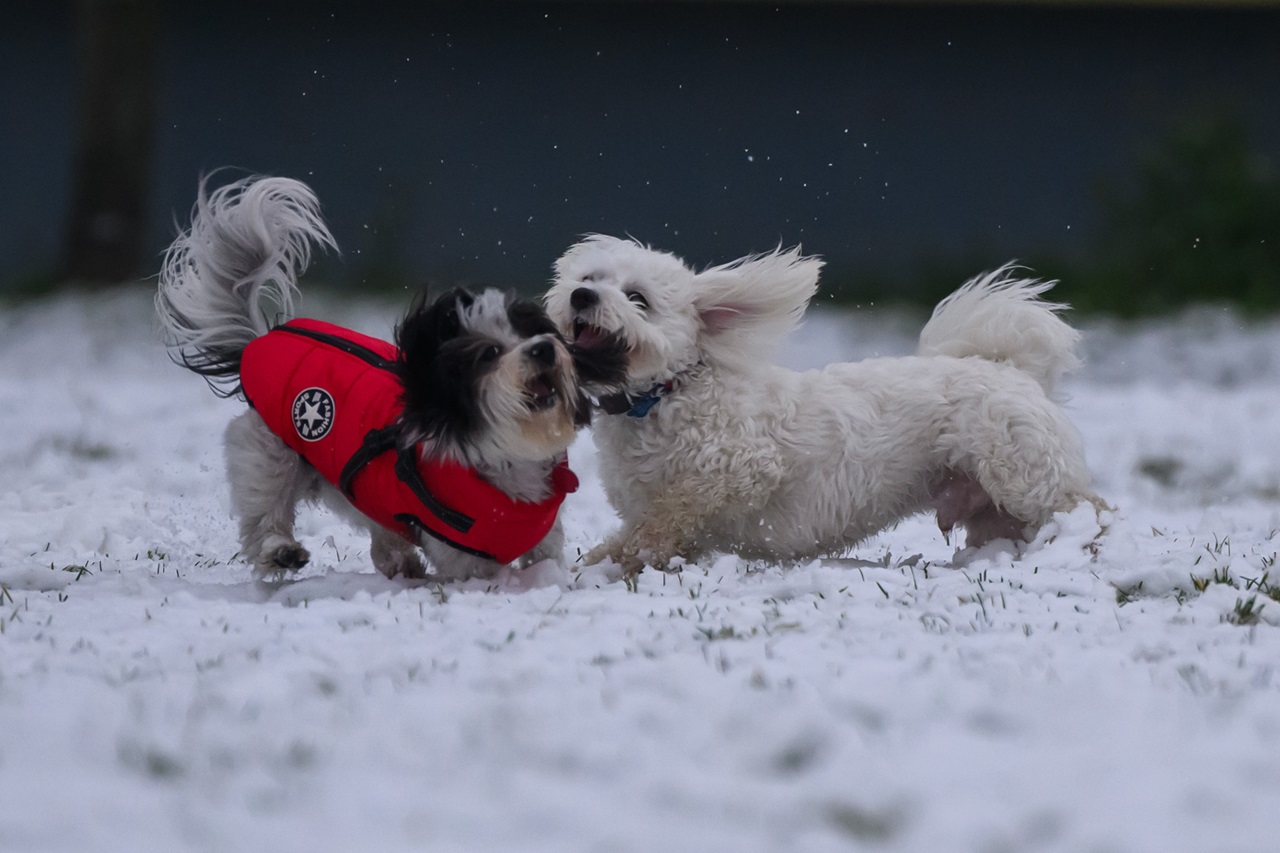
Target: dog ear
{"x":427,"y":326}
{"x":435,"y":319}
{"x":430,"y":322}
{"x":760,"y":296}
{"x":529,"y":319}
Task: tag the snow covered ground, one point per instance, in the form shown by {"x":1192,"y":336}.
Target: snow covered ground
{"x":1113,"y":690}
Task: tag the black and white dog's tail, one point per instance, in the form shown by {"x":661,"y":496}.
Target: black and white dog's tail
{"x":233,"y":275}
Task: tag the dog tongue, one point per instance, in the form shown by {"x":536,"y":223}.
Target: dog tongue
{"x":590,"y":336}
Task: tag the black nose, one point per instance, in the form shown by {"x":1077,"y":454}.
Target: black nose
{"x":583,"y":298}
{"x":543,"y":352}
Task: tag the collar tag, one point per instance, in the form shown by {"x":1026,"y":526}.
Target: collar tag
{"x":641,"y":405}
{"x":636,"y":405}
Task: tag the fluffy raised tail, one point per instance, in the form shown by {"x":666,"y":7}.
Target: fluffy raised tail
{"x":233,"y":275}
{"x":1000,"y":317}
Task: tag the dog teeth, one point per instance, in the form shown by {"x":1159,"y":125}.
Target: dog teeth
{"x":543,"y":393}
{"x":589,"y":336}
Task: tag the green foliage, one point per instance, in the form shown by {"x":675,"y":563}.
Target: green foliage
{"x":1221,"y":577}
{"x":30,"y":284}
{"x":1125,"y":595}
{"x":1200,"y":224}
{"x":1246,"y":612}
{"x":1197,"y":220}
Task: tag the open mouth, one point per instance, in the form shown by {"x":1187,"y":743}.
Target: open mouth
{"x":588,"y":336}
{"x":542,"y":393}
{"x":601,"y":357}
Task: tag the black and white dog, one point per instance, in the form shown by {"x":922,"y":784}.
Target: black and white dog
{"x":453,"y":439}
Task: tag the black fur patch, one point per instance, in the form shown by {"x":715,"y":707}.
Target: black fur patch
{"x":439,"y":368}
{"x":603,"y":367}
{"x":529,"y":320}
{"x":582,"y":410}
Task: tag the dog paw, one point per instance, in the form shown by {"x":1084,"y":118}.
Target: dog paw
{"x":631,"y":565}
{"x":599,"y":554}
{"x":413,"y":569}
{"x":288,"y":557}
{"x":405,"y":565}
{"x":634,"y":560}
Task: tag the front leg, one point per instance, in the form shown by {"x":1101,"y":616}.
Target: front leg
{"x":392,"y":555}
{"x":680,"y":510}
{"x":450,"y":564}
{"x":648,"y":543}
{"x":684,"y":518}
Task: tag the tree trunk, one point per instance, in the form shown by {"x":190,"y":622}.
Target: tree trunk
{"x":116,"y":42}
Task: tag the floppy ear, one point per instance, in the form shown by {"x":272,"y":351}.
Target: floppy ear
{"x":754,"y":301}
{"x":428,"y":323}
{"x":426,"y":327}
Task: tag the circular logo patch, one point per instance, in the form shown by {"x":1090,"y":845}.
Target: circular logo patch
{"x":313,"y":413}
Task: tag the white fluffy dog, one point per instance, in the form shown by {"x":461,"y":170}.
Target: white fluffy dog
{"x":707,"y":447}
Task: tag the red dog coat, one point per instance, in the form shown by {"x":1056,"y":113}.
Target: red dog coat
{"x":331,"y":395}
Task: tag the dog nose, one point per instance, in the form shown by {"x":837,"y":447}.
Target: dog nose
{"x":543,"y":352}
{"x":583,"y":298}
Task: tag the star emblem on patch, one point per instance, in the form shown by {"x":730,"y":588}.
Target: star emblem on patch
{"x":313,"y":411}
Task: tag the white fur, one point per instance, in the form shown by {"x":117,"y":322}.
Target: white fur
{"x":233,"y":275}
{"x":1001,"y":318}
{"x":748,"y":457}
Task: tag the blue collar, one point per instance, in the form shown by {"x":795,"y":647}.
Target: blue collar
{"x":635,"y":405}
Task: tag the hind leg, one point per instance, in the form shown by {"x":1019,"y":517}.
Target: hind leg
{"x":452,"y":565}
{"x":1015,"y":448}
{"x":959,"y":499}
{"x":955,"y":500}
{"x":267,"y":481}
{"x":990,"y":523}
{"x":393,"y":556}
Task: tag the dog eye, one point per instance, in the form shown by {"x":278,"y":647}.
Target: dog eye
{"x":638,"y":298}
{"x":489,"y":354}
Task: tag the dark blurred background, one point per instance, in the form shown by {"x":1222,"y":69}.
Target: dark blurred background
{"x":1131,"y":149}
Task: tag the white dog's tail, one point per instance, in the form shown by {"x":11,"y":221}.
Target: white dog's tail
{"x":233,"y":275}
{"x":1002,"y":318}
